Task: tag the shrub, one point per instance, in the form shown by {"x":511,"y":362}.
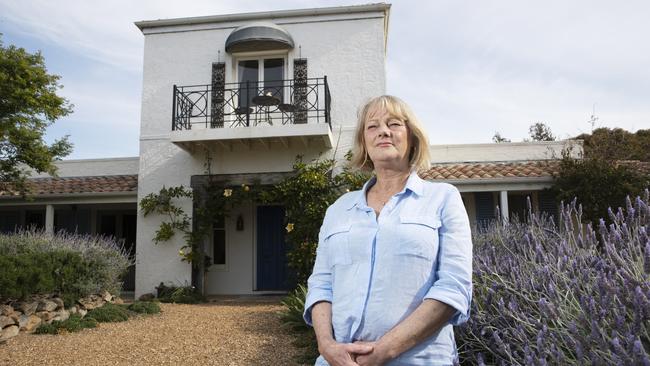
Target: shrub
{"x":291,"y":318}
{"x":597,"y":184}
{"x":47,"y":329}
{"x":180,"y":294}
{"x":144,"y":307}
{"x":71,"y":265}
{"x":306,"y":195}
{"x":73,"y":324}
{"x":109,"y":313}
{"x":562,"y":295}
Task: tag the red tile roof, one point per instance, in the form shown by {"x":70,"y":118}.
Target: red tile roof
{"x":458,"y":171}
{"x":76,"y":185}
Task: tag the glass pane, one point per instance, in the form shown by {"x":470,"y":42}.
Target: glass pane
{"x":248,"y":71}
{"x":219,"y":244}
{"x":273,"y":76}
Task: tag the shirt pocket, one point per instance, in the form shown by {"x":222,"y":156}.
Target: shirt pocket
{"x":418,"y":236}
{"x":338,"y":244}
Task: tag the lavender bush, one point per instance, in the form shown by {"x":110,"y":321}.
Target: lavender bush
{"x":92,"y":263}
{"x":562,"y":294}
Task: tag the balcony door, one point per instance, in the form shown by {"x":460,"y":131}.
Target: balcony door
{"x":260,"y":76}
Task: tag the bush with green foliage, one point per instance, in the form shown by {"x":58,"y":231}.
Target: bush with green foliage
{"x":144,"y":307}
{"x":291,"y":317}
{"x":109,"y":313}
{"x":179,"y":294}
{"x":70,"y":265}
{"x":73,"y":324}
{"x":306,"y":195}
{"x":597,"y":184}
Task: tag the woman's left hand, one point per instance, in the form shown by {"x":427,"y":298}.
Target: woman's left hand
{"x":378,"y":356}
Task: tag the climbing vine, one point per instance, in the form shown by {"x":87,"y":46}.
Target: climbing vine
{"x":305,"y":194}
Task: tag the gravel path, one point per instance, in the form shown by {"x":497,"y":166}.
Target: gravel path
{"x":222,"y":333}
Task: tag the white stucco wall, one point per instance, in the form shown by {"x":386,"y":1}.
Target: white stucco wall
{"x":237,"y":275}
{"x":349,"y":49}
{"x":511,"y":151}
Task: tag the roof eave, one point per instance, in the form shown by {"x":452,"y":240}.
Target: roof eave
{"x":379,"y":7}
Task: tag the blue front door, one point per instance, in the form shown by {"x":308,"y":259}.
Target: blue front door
{"x":271,"y":249}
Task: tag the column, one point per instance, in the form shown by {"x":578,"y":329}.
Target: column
{"x":503,"y":203}
{"x":49,"y":219}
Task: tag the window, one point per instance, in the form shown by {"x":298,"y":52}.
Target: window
{"x":260,"y":76}
{"x":219,"y":241}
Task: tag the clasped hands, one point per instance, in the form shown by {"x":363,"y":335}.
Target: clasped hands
{"x":354,"y":354}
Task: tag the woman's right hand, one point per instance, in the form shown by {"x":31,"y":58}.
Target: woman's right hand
{"x":343,"y":354}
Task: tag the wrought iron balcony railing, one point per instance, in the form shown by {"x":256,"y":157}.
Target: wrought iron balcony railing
{"x":278,"y":102}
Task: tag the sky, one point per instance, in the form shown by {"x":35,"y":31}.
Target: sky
{"x":468,"y":68}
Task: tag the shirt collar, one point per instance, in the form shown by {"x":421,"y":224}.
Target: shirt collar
{"x":414,"y":184}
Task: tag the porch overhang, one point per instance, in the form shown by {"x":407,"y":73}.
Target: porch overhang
{"x":306,"y":135}
{"x":259,"y":36}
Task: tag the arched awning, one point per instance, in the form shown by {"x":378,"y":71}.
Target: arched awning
{"x":259,"y":36}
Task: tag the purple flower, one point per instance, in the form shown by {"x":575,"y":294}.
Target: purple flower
{"x":646,"y":259}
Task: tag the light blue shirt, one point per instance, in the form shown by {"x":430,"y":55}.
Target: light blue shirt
{"x":377,"y":270}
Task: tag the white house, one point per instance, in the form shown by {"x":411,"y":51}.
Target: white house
{"x":248,"y":93}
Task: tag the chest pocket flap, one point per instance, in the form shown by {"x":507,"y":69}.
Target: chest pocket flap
{"x":418,"y":236}
{"x":430,"y":220}
{"x":337,"y":238}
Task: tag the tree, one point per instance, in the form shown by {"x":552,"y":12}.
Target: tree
{"x":617,"y":144}
{"x":597,"y":184}
{"x":498,"y":138}
{"x":540,"y":132}
{"x":28,"y":105}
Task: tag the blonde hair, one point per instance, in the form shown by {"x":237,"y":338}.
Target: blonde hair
{"x":419,"y":158}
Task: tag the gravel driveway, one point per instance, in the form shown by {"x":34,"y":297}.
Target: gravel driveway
{"x":227,"y":332}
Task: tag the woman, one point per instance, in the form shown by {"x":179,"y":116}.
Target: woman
{"x":393,"y":270}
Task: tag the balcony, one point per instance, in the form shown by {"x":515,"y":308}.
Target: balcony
{"x":279,"y":112}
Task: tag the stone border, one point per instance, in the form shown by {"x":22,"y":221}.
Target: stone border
{"x":27,"y":315}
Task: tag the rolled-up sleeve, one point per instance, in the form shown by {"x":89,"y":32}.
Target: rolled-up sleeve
{"x":454,"y":265}
{"x":320,"y":282}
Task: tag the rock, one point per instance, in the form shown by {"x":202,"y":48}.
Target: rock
{"x":87,"y":303}
{"x":46,"y":305}
{"x":82,"y":312}
{"x":22,"y":321}
{"x":146,"y":297}
{"x":58,"y":302}
{"x":62,"y":315}
{"x":28,"y":308}
{"x":31,"y":324}
{"x":106,"y":296}
{"x":73,"y":309}
{"x":6,"y":310}
{"x":46,"y":316}
{"x":15,"y":316}
{"x":9,"y":332}
{"x":5,"y":321}
{"x":118,"y":300}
